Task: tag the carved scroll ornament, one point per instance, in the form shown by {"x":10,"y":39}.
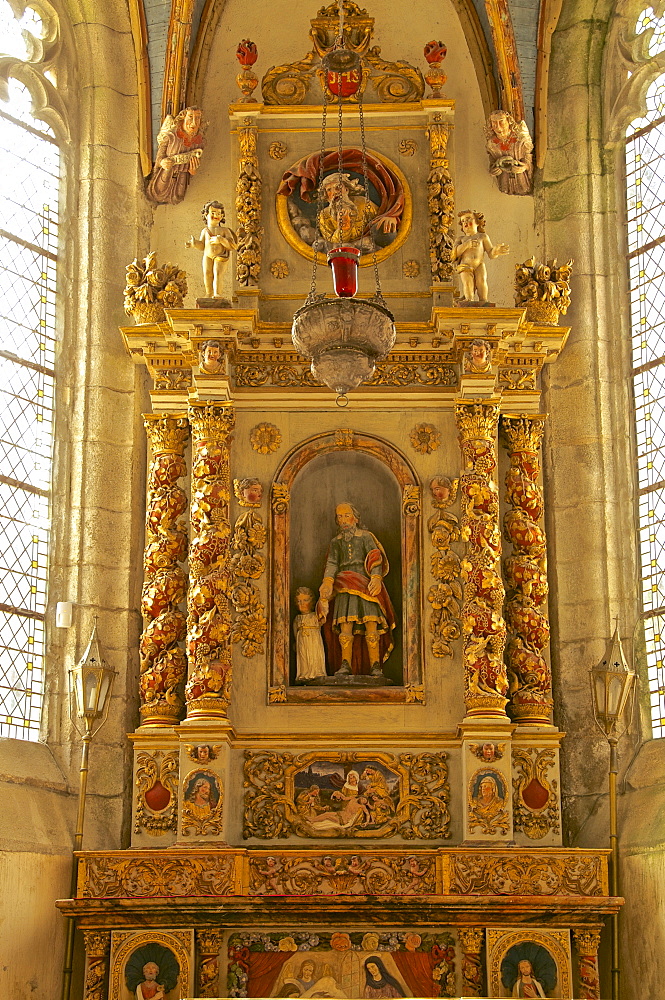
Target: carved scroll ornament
{"x":535,"y":800}
{"x":156,"y":792}
{"x":446,"y":594}
{"x":440,"y":203}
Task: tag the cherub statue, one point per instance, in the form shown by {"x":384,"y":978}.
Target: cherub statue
{"x":217,"y":242}
{"x":509,"y":146}
{"x":469,"y":251}
{"x":211,"y":357}
{"x":478,"y":359}
{"x":180,"y":144}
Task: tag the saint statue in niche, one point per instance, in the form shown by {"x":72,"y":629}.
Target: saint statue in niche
{"x":528,"y":970}
{"x":353,"y":600}
{"x":151,"y":972}
{"x":349,"y":213}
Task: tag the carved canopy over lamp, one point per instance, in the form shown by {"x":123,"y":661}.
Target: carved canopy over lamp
{"x":343,"y":337}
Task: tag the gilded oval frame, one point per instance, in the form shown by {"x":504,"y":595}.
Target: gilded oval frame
{"x":292,"y":238}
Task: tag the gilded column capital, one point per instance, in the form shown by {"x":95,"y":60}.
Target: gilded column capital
{"x":524,"y":431}
{"x":167,"y":434}
{"x":212,"y":420}
{"x":477,"y":421}
{"x":471,"y":939}
{"x":209,"y":940}
{"x":97,"y":943}
{"x":587,"y":941}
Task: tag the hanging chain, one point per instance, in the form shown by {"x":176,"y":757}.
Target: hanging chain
{"x":363,"y":149}
{"x":319,"y":197}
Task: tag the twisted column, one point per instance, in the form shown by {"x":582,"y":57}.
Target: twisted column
{"x":209,"y":943}
{"x":526,"y":572}
{"x":483,"y":627}
{"x":208,"y":608}
{"x":471,"y":940}
{"x":587,"y":943}
{"x":97,"y":946}
{"x":163,"y":663}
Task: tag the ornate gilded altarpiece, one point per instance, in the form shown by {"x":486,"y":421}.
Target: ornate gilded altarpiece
{"x":295,"y":823}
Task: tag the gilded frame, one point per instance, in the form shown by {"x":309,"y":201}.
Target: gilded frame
{"x":557,"y":942}
{"x":123,"y":943}
{"x":412,"y":690}
{"x":367,"y":260}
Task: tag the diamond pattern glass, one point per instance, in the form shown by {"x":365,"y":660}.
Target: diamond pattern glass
{"x":29,"y":166}
{"x":645,"y":155}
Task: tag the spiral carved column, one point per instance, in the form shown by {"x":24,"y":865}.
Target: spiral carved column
{"x":471,"y":940}
{"x":163,"y":663}
{"x":209,"y":943}
{"x":526,"y":573}
{"x":208,"y":607}
{"x":587,"y":943}
{"x":97,"y":946}
{"x":483,"y":627}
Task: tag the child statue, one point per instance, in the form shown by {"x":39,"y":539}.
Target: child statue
{"x":217,"y":242}
{"x":470,"y":250}
{"x":150,"y":989}
{"x":310,"y":655}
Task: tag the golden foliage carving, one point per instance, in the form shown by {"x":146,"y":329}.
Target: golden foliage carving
{"x":532,"y":767}
{"x":544,"y":289}
{"x":440,"y":203}
{"x":158,"y":875}
{"x":523,"y":875}
{"x":446,"y":594}
{"x":349,"y":874}
{"x":248,"y":209}
{"x":247,"y":564}
{"x":151,"y":288}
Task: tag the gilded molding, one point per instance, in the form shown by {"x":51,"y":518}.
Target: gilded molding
{"x":483,"y":627}
{"x":248,"y":208}
{"x":540,"y":815}
{"x":472,"y":940}
{"x":163,"y":663}
{"x":440,"y":202}
{"x":510,"y":79}
{"x":208,"y":689}
{"x":446,"y":594}
{"x":526,"y":572}
{"x":411,"y":500}
{"x":177,"y":57}
{"x":587,"y":942}
{"x":97,"y":946}
{"x":158,"y":769}
{"x":418,"y":808}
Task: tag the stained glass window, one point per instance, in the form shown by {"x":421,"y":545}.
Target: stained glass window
{"x":645,"y":176}
{"x":29,"y":166}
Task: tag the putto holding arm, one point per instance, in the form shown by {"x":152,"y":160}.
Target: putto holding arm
{"x":469,"y":252}
{"x":217,"y":242}
{"x":180,"y":144}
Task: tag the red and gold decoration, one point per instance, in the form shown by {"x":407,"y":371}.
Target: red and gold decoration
{"x":435,"y":53}
{"x":163,"y":664}
{"x":483,"y":627}
{"x":156,"y":792}
{"x":209,"y":944}
{"x":97,"y":945}
{"x":526,"y":573}
{"x":247,"y":80}
{"x":471,"y":941}
{"x":587,"y":942}
{"x":208,"y":602}
{"x":535,"y":800}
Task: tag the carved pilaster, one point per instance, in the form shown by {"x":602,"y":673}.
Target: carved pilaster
{"x":208,"y":606}
{"x":441,"y":203}
{"x":587,"y":943}
{"x":483,"y":628}
{"x":471,"y":941}
{"x":526,"y":572}
{"x":97,"y":945}
{"x":163,"y":663}
{"x":209,"y":943}
{"x":248,"y":208}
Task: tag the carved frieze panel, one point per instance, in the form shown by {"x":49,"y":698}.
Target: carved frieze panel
{"x":492,"y":874}
{"x":348,"y":874}
{"x":342,"y":794}
{"x":159,"y":874}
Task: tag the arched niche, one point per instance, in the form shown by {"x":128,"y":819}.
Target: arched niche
{"x":321,"y":472}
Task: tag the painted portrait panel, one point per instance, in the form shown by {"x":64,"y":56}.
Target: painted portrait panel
{"x":333,"y":797}
{"x":488,"y":797}
{"x":342,"y":964}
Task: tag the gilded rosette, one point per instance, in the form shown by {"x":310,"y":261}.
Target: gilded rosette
{"x":440,"y":203}
{"x":208,"y":603}
{"x":525,"y":572}
{"x":483,"y":627}
{"x":163,"y":664}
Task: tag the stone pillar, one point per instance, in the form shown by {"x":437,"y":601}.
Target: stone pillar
{"x":587,"y":942}
{"x":483,"y":627}
{"x":208,"y":690}
{"x":163,"y":663}
{"x":97,"y":946}
{"x":471,"y":941}
{"x":526,"y":572}
{"x":209,"y":943}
